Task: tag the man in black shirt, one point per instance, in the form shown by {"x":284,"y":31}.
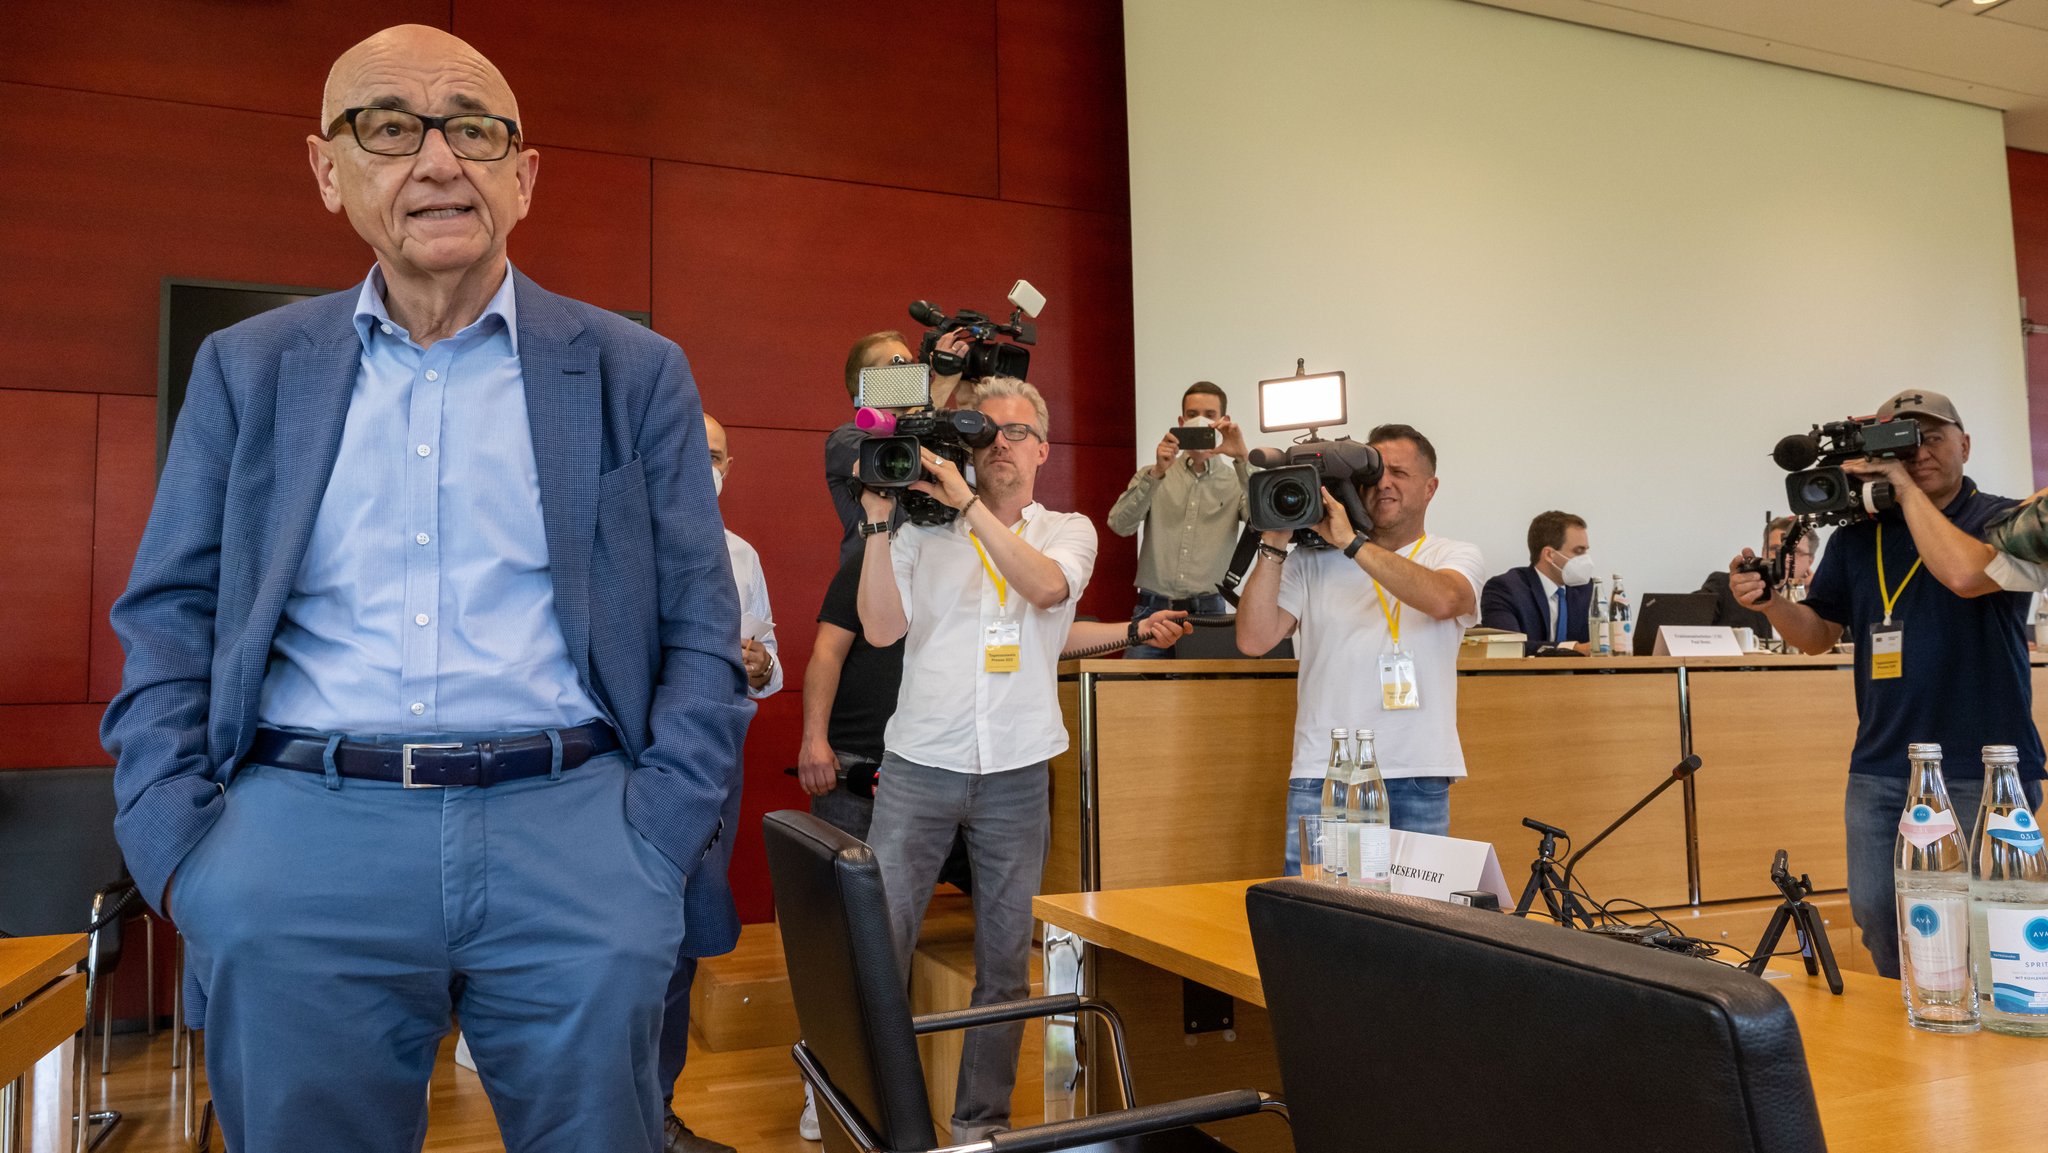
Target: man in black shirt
{"x":1728,"y":612}
{"x":1941,"y":656}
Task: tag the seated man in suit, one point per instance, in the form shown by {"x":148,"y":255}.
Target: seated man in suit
{"x":1727,"y":611}
{"x":1548,"y":598}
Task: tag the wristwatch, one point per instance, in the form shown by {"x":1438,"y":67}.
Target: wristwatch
{"x":1351,"y":550}
{"x":873,"y":528}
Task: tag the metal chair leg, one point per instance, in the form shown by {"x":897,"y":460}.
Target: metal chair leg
{"x":190,"y":1086}
{"x":10,"y":1115}
{"x":149,"y":974}
{"x":106,"y":1035}
{"x":178,"y":1007}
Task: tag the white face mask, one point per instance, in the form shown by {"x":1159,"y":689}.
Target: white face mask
{"x":1196,"y":422}
{"x":1577,"y":571}
{"x":717,"y":481}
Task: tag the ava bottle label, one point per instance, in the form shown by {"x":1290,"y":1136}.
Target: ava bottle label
{"x":1937,"y":937}
{"x":2019,"y":960}
{"x":1922,"y":826}
{"x":2017,"y":828}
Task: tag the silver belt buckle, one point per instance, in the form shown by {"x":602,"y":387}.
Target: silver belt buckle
{"x":405,"y":764}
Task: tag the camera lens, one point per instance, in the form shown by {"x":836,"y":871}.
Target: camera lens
{"x":1821,"y":490}
{"x":1290,"y":500}
{"x":896,"y":462}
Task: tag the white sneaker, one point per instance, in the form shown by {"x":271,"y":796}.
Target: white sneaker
{"x":462,"y":1056}
{"x":807,"y":1124}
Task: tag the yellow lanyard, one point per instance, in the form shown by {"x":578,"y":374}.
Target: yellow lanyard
{"x":1002,"y":586}
{"x":1393,"y":618}
{"x":1890,"y":596}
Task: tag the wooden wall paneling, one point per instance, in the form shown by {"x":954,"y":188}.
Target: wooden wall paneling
{"x":1575,"y":751}
{"x":2028,"y":174}
{"x":1778,"y":742}
{"x":94,"y":213}
{"x":270,"y":56}
{"x":1062,"y":873}
{"x":586,"y":234}
{"x":1156,"y":739}
{"x":51,"y":736}
{"x":891,"y":93}
{"x":46,"y":484}
{"x":124,"y":486}
{"x":767,"y":281}
{"x":1064,"y":137}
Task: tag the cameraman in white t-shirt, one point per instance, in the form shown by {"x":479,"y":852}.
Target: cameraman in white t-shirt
{"x":1379,"y":623}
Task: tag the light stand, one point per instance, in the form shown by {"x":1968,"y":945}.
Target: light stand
{"x":1805,"y":921}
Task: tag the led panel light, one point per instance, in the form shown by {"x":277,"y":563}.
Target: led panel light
{"x":1296,"y":402}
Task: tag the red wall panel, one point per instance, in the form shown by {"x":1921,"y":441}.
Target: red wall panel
{"x":888,"y":92}
{"x":267,"y":56}
{"x":1065,"y":139}
{"x":2028,"y":173}
{"x":51,"y":736}
{"x":767,"y":280}
{"x":125,"y":485}
{"x":46,"y":486}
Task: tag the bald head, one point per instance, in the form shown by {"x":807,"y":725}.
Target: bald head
{"x":373,"y":72}
{"x":714,"y":442}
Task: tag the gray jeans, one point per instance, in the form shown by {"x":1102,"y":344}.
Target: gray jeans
{"x":1007,"y":820}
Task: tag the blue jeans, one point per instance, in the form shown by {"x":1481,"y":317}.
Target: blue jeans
{"x":335,"y":931}
{"x":1151,"y":602}
{"x":1870,"y":812}
{"x":1419,"y":804}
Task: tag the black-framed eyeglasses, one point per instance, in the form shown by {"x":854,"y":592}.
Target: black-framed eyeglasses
{"x":1018,"y":430}
{"x":396,"y":132}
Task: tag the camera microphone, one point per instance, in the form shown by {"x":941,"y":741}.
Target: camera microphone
{"x":875,"y":422}
{"x":1268,"y":457}
{"x":924,"y":313}
{"x":1797,"y":452}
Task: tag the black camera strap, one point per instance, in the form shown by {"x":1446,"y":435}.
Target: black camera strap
{"x":1240,"y":563}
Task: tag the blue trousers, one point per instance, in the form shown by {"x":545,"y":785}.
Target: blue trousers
{"x":335,"y":931}
{"x":1418,"y":804}
{"x":1870,"y":810}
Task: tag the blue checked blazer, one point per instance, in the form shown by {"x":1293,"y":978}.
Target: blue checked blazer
{"x":636,"y":551}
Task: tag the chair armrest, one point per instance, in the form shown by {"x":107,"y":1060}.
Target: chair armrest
{"x":996,"y":1014}
{"x":1129,"y":1122}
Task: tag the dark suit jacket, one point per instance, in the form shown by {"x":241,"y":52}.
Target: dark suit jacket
{"x":1728,"y":611}
{"x":636,"y":552}
{"x":1514,"y":601}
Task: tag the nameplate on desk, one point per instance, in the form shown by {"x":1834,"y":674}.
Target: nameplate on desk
{"x":1697,"y":641}
{"x":1435,"y":867}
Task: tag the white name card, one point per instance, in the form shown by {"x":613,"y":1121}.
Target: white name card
{"x":1697,"y":641}
{"x":1435,"y":867}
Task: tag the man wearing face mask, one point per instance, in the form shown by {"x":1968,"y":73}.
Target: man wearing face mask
{"x":1191,"y":504}
{"x":1548,"y":598}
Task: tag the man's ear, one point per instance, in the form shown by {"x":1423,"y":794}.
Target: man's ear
{"x":323,"y":173}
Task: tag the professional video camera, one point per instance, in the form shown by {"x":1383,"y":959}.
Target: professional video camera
{"x":1288,"y":493}
{"x":890,"y":456}
{"x":1829,"y":496}
{"x":985,"y":356}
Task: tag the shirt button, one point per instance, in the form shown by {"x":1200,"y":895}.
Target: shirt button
{"x":422,"y":538}
{"x":386,"y":328}
{"x":432,"y":375}
{"x":420,"y":619}
{"x":423,"y":450}
{"x":418,"y":708}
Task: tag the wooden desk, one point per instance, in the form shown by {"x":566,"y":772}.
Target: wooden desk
{"x":1879,"y":1083}
{"x":40,"y":1005}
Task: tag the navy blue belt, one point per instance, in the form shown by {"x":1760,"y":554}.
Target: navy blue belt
{"x":436,"y":766}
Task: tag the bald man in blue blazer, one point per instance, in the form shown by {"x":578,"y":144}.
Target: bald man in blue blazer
{"x":1548,"y":599}
{"x":433,"y":700}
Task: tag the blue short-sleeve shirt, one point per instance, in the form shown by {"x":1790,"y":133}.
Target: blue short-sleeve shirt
{"x":1965,"y":679}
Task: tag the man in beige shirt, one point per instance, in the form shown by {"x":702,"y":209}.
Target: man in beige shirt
{"x":1192,"y":505}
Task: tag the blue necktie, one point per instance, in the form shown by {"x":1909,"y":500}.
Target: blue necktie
{"x":1559,"y":630}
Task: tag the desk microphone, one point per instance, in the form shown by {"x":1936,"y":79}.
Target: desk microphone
{"x":1679,"y":772}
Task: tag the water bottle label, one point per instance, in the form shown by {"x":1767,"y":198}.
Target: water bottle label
{"x":1620,"y":636}
{"x":1935,"y":931}
{"x":1922,"y":826}
{"x":2019,"y":959}
{"x":2017,"y":828}
{"x":1375,"y":853}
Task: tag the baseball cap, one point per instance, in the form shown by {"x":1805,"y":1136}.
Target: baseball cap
{"x":1921,"y":402}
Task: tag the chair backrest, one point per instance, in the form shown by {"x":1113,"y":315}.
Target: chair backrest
{"x":1422,"y":1026}
{"x":56,"y":847}
{"x":852,"y":1002}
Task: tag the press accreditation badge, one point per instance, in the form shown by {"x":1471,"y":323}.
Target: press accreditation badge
{"x":1397,"y":681}
{"x":1887,"y":652}
{"x":1001,"y":642}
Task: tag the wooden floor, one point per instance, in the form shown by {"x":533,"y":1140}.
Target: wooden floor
{"x":747,"y":1098}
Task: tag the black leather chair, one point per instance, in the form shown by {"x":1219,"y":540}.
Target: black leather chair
{"x":859,"y":1047}
{"x":1415,"y":1025}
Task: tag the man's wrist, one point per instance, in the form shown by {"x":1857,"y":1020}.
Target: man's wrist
{"x":1358,"y":541}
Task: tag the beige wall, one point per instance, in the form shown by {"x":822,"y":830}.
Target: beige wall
{"x":1603,"y":273}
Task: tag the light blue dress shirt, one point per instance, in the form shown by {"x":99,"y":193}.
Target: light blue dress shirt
{"x":424,"y":605}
